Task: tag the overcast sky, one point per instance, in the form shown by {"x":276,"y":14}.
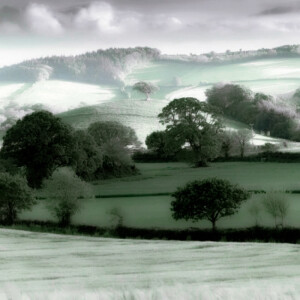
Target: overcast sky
{"x":45,"y":27}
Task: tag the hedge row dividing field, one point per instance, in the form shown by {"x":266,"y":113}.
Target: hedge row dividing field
{"x":143,"y":201}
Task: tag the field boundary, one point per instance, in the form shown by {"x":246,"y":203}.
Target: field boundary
{"x":133,"y":195}
{"x":249,"y":234}
{"x":167,"y":194}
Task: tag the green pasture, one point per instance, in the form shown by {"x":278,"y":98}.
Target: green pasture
{"x":166,"y":177}
{"x":147,"y":210}
{"x":154,"y":212}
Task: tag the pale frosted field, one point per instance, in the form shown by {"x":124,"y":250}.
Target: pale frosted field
{"x":56,"y":96}
{"x":272,"y":76}
{"x":59,"y":96}
{"x":7,"y":89}
{"x":192,"y":91}
{"x":47,"y":266}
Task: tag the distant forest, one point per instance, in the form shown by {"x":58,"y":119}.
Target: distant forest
{"x":99,"y":67}
{"x":237,"y":56}
{"x":111,"y":66}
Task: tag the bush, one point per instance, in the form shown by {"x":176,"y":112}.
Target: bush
{"x":15,"y":196}
{"x":281,"y":157}
{"x":253,"y":234}
{"x":152,"y":157}
{"x":66,"y":191}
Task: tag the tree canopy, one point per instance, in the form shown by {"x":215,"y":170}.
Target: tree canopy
{"x":193,"y":122}
{"x":114,"y":140}
{"x":156,"y":141}
{"x":87,"y":155}
{"x":64,"y":191}
{"x":209,"y":199}
{"x":256,"y":109}
{"x":103,"y":132}
{"x":243,"y":137}
{"x":146,"y":88}
{"x":40,"y":142}
{"x":15,"y":196}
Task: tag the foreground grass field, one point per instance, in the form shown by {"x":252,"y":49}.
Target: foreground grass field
{"x":147,"y":210}
{"x":46,"y":266}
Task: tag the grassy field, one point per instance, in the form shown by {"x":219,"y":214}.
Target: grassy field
{"x":166,"y":177}
{"x":39,"y":266}
{"x":147,"y":210}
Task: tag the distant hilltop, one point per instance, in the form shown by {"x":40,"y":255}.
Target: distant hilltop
{"x":236,"y":56}
{"x":112,"y":65}
{"x":99,"y":67}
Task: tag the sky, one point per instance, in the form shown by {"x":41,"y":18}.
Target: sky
{"x":30,"y":29}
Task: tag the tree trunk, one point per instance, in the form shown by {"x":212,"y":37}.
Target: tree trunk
{"x":200,"y":161}
{"x":214,"y":227}
{"x":201,"y":164}
{"x":226,"y":154}
{"x":242,"y":152}
{"x":11,"y":215}
{"x":65,"y":219}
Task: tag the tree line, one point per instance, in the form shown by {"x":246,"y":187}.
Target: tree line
{"x":194,"y":133}
{"x":102,"y":66}
{"x":255,"y":109}
{"x":41,"y":150}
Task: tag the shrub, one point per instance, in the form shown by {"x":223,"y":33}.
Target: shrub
{"x":15,"y":196}
{"x":66,"y":191}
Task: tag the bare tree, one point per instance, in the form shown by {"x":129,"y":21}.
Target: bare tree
{"x":283,"y":208}
{"x":276,"y":205}
{"x":228,"y":142}
{"x":254,"y":210}
{"x":242,"y":137}
{"x":116,"y":218}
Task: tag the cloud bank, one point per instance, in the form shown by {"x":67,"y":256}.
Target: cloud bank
{"x":174,"y":26}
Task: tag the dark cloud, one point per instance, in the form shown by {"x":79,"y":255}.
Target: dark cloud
{"x":280,"y":10}
{"x":10,"y":14}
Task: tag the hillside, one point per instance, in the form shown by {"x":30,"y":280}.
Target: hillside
{"x":102,"y":66}
{"x":112,"y":65}
{"x":81,"y":100}
{"x":74,"y":267}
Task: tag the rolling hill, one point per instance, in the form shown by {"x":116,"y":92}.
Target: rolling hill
{"x":87,"y":96}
